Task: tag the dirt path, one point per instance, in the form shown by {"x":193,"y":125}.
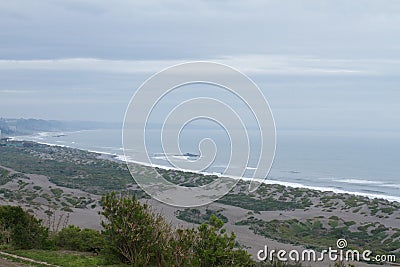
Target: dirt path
{"x":7,"y":263}
{"x":11,"y":264}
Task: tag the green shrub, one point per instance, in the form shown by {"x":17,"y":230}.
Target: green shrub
{"x":140,"y":237}
{"x":75,"y":238}
{"x":21,"y":229}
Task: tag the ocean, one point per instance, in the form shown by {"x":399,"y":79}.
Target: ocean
{"x":362,"y":163}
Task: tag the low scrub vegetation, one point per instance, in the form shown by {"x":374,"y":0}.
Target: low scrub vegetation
{"x":132,"y":234}
{"x":140,"y":237}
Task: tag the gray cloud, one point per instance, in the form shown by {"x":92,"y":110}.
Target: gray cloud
{"x":251,"y":64}
{"x":181,"y":29}
{"x":321,"y":63}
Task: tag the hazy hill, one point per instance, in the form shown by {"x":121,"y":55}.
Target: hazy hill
{"x":29,"y":126}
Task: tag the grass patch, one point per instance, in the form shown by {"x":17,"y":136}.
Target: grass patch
{"x":64,"y":258}
{"x":196,"y":216}
{"x":312,"y":234}
{"x":67,"y":167}
{"x":57,"y":192}
{"x":245,"y":201}
{"x":4,"y":176}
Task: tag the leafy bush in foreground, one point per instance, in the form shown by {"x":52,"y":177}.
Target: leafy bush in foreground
{"x":140,"y":237}
{"x":21,"y":229}
{"x":75,"y":238}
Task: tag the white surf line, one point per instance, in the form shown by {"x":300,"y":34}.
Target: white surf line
{"x":27,"y":259}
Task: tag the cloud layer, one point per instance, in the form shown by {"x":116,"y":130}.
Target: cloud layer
{"x":180,"y":29}
{"x":322,"y":64}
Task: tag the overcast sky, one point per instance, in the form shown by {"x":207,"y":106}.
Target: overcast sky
{"x":321,"y":64}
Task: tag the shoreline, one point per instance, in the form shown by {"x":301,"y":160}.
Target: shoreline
{"x":122,"y":159}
